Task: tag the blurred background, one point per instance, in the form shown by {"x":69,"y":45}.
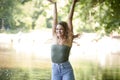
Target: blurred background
{"x":25,"y":39}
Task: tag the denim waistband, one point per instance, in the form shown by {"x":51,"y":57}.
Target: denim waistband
{"x":64,"y":63}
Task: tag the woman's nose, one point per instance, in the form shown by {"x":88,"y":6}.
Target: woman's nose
{"x":59,"y":31}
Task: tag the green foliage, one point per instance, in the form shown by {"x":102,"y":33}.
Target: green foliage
{"x":90,"y":15}
{"x":97,"y":15}
{"x":5,"y":74}
{"x":113,"y":20}
{"x":24,"y":1}
{"x":24,"y":74}
{"x":111,"y":74}
{"x":6,"y":9}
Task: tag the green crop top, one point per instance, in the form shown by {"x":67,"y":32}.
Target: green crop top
{"x":60,"y":53}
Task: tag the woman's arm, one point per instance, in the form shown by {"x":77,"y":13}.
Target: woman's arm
{"x":70,"y":16}
{"x":54,"y":24}
{"x":54,"y":19}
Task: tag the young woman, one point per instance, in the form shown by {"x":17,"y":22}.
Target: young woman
{"x":62,"y":42}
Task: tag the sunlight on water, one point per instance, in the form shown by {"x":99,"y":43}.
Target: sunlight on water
{"x":32,"y":51}
{"x":28,"y":47}
{"x":101,"y":51}
{"x":36,"y":45}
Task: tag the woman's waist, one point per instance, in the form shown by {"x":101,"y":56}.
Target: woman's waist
{"x":62,"y":63}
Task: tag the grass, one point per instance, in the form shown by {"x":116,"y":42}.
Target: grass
{"x":83,"y":70}
{"x":40,"y":69}
{"x":111,"y":73}
{"x":24,"y":74}
{"x":86,"y":70}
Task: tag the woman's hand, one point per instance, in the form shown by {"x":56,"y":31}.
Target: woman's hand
{"x":77,"y":36}
{"x":52,"y":1}
{"x":75,"y":0}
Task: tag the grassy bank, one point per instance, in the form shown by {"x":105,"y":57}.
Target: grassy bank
{"x":24,"y":74}
{"x":85,"y":71}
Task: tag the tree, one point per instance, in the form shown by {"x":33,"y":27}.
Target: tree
{"x":6,"y":9}
{"x":92,"y":15}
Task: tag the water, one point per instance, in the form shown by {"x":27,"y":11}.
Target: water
{"x":27,"y":57}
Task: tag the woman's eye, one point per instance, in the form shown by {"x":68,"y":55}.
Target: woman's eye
{"x":56,"y":29}
{"x":61,"y":29}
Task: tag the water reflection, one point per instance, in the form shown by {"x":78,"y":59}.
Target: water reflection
{"x":26,"y":56}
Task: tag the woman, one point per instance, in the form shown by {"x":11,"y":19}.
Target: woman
{"x":63,"y":39}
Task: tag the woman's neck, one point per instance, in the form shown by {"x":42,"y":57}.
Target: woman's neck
{"x":61,"y":37}
{"x":61,"y":40}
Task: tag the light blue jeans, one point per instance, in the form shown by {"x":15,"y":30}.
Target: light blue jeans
{"x":62,"y":71}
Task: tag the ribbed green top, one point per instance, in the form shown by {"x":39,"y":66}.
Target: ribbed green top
{"x":60,"y":53}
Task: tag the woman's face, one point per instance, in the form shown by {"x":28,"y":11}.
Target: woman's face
{"x":60,"y":31}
